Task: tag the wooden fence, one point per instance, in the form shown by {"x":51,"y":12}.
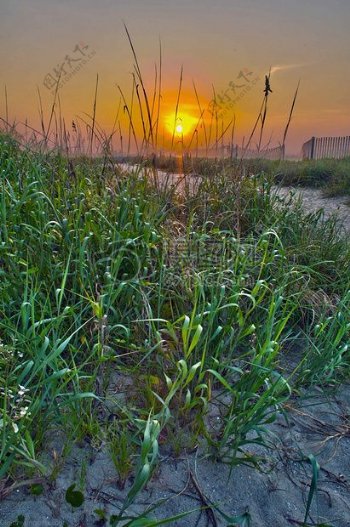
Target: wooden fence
{"x":266,"y":153}
{"x":235,"y":151}
{"x":321,"y":147}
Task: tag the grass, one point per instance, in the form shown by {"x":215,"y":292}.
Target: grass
{"x":330,"y":175}
{"x":195,"y":298}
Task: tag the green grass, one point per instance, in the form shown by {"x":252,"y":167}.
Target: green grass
{"x":195,"y":298}
{"x":332,"y":176}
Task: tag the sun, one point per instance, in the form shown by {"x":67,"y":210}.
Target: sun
{"x":182,"y":124}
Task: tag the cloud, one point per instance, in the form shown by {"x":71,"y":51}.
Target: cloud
{"x":283,"y":67}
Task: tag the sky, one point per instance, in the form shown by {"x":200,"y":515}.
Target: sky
{"x":225,"y":47}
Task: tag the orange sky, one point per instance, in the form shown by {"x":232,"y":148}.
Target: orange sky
{"x":228,"y":44}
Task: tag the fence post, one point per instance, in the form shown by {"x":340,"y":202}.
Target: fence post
{"x":312,"y":153}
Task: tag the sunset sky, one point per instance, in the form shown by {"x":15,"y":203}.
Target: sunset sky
{"x":228,"y":44}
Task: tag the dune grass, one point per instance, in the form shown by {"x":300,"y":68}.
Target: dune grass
{"x":330,"y":175}
{"x":196,"y":299}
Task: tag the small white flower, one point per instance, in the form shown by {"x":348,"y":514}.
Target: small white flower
{"x":23,"y":411}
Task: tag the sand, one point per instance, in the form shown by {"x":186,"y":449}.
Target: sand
{"x":314,"y":200}
{"x":275,"y":495}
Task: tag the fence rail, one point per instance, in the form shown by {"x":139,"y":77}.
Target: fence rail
{"x":321,"y":147}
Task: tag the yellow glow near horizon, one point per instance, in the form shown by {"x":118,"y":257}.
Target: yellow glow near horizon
{"x":182,"y":124}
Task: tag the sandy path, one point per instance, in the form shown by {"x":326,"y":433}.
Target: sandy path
{"x":313,"y":200}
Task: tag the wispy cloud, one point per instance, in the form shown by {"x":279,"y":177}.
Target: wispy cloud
{"x":283,"y":67}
